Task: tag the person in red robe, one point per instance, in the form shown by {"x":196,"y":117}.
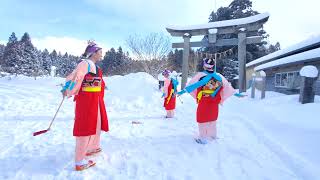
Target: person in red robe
{"x":87,"y":86}
{"x":214,"y":91}
{"x":169,"y":94}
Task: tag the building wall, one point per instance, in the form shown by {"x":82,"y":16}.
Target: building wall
{"x":270,"y":79}
{"x":317,"y":87}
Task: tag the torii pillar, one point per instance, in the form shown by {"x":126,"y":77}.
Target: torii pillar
{"x":185,"y":59}
{"x":242,"y":51}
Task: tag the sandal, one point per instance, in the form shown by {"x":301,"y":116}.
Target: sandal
{"x":85,"y":166}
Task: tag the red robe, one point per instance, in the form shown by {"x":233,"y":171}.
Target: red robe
{"x":208,"y":107}
{"x":86,"y":111}
{"x":171,"y":104}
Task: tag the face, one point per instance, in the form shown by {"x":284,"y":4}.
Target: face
{"x":97,"y":56}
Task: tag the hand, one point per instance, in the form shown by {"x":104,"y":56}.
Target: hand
{"x":163,"y":95}
{"x":239,"y":95}
{"x":64,"y":88}
{"x":181,"y":92}
{"x":64,"y":93}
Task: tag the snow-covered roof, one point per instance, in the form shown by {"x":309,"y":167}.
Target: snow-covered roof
{"x":312,"y":41}
{"x":220,"y":24}
{"x":301,"y":57}
{"x":309,"y":71}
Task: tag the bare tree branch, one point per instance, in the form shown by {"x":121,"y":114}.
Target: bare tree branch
{"x":151,"y":49}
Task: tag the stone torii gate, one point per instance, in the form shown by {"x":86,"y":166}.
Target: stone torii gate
{"x":241,"y":26}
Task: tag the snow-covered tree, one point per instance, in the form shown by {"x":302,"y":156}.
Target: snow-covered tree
{"x":46,"y":61}
{"x":230,"y":69}
{"x":11,"y":55}
{"x":30,"y":63}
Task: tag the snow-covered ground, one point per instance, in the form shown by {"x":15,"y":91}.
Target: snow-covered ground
{"x":275,"y":138}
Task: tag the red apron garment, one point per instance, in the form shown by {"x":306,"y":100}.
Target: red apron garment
{"x":170,"y":100}
{"x":90,"y":96}
{"x":208,"y":107}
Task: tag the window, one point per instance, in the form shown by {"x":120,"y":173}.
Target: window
{"x":290,"y":80}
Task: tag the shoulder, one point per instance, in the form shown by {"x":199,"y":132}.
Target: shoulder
{"x":83,"y":62}
{"x":200,"y":75}
{"x":83,"y":65}
{"x":217,"y":76}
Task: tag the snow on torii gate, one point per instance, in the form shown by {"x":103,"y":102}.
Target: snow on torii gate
{"x":212,"y":29}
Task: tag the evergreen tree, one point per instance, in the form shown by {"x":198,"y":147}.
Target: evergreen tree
{"x":237,"y":9}
{"x":30,"y":63}
{"x":273,"y":48}
{"x":54,"y":59}
{"x":2,"y":47}
{"x":175,"y":57}
{"x":46,"y":61}
{"x":109,"y":61}
{"x":11,"y":55}
{"x":230,"y":69}
{"x":59,"y":64}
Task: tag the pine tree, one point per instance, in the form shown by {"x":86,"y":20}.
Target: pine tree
{"x":54,"y":60}
{"x":2,"y":47}
{"x":11,"y":55}
{"x":241,"y":9}
{"x":59,"y":65}
{"x":230,"y":69}
{"x":46,"y":61}
{"x":108,"y":62}
{"x":273,"y":48}
{"x":177,"y":57}
{"x":237,"y":9}
{"x":30,"y":63}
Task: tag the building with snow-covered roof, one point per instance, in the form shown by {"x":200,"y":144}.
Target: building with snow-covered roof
{"x":282,"y":67}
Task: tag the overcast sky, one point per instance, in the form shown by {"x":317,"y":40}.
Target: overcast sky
{"x":65,"y":25}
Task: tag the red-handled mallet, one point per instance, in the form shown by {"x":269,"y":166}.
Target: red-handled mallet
{"x":44,"y":131}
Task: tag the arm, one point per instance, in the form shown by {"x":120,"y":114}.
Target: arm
{"x":166,"y":86}
{"x":75,"y":79}
{"x":192,"y":81}
{"x":227,"y":90}
{"x":239,"y":95}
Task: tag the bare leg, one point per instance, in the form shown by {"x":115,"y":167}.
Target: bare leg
{"x":95,"y":140}
{"x":81,"y":147}
{"x":202,"y":130}
{"x":169,"y":114}
{"x":172,"y":113}
{"x":212,"y":131}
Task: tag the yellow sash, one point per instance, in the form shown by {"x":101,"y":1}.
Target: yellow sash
{"x":202,"y":92}
{"x":91,"y":89}
{"x":170,"y":95}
